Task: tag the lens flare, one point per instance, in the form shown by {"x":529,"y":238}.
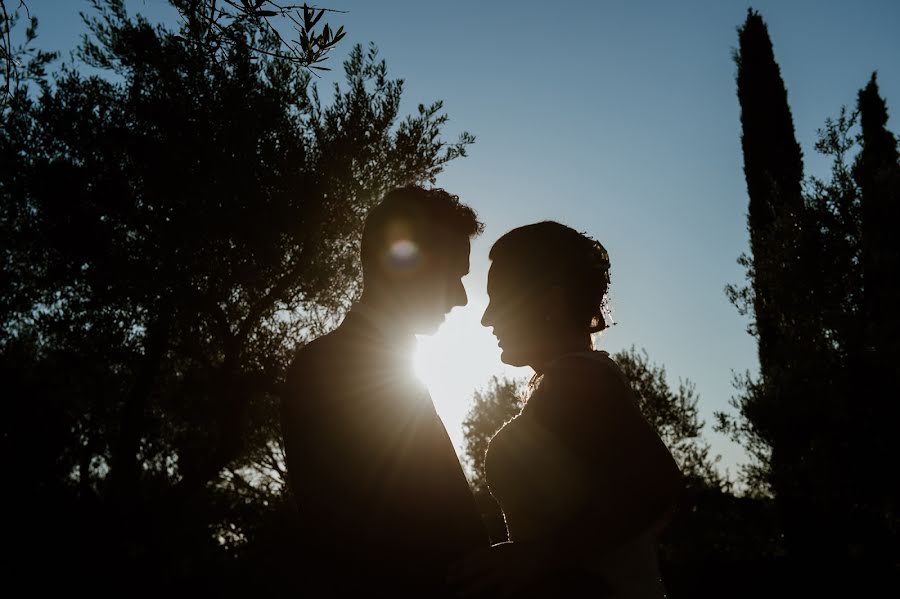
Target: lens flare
{"x":403,"y":253}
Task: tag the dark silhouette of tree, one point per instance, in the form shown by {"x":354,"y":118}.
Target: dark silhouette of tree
{"x":781,"y":423}
{"x":773,"y":168}
{"x":818,"y":438}
{"x":171,"y":233}
{"x":877,"y":172}
{"x":23,"y":63}
{"x":218,"y":24}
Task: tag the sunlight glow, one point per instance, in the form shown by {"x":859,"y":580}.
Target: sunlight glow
{"x":461,"y":357}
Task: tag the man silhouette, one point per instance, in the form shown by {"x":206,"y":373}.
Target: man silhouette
{"x":384,"y":503}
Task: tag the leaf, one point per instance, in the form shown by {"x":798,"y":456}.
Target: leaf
{"x":316,"y":19}
{"x":304,"y":41}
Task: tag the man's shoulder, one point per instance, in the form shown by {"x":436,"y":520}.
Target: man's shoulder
{"x":331,"y":360}
{"x":309,"y":387}
{"x":316,"y":358}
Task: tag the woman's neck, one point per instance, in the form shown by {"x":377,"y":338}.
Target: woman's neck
{"x":569,"y":344}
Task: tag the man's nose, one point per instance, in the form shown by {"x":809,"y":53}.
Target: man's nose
{"x":485,"y":320}
{"x":461,"y":297}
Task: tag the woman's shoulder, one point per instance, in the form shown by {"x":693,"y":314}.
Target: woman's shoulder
{"x":579,"y":397}
{"x":579,"y":384}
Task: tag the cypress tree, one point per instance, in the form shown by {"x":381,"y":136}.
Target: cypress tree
{"x":824,"y":291}
{"x":877,"y":173}
{"x":773,"y":168}
{"x":782,"y":409}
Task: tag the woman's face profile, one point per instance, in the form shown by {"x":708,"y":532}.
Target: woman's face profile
{"x":515,"y":315}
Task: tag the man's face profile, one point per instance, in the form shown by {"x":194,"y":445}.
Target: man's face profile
{"x":427,"y":277}
{"x":442,"y":288}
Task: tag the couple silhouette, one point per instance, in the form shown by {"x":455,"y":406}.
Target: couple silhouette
{"x":584,"y":482}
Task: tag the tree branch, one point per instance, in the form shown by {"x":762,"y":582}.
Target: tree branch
{"x":273,"y":294}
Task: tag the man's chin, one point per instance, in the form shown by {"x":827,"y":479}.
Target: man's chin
{"x":429,"y":328}
{"x":512,"y":359}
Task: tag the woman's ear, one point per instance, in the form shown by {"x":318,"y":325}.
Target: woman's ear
{"x":555,"y":306}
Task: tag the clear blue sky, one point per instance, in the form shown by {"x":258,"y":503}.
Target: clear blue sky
{"x":619,"y":119}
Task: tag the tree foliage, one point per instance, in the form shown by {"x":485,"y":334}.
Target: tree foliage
{"x":23,"y":63}
{"x":822,"y":272}
{"x":874,"y":505}
{"x":172,"y":231}
{"x":219,"y":24}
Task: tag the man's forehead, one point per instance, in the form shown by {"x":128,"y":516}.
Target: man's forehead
{"x":457,"y":253}
{"x":450,"y":242}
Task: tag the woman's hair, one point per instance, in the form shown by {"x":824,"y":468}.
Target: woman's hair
{"x":547,"y":254}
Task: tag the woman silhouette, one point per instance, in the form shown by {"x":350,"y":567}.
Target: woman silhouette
{"x":584,"y":482}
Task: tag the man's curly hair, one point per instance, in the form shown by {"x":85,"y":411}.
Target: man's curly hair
{"x":424,"y":214}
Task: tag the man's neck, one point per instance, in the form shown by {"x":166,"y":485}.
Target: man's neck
{"x":387,"y":320}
